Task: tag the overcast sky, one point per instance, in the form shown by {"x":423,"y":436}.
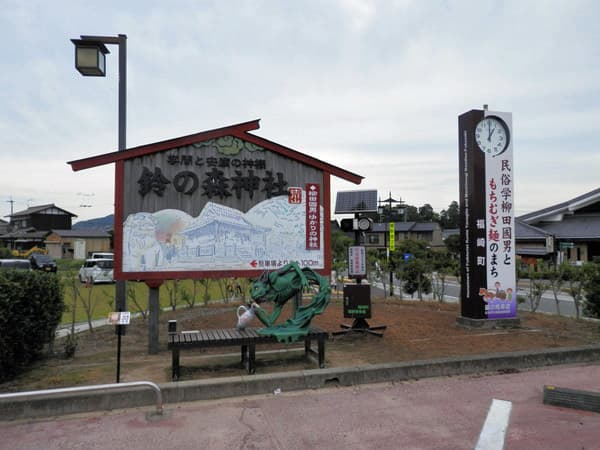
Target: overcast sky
{"x":374,"y":87}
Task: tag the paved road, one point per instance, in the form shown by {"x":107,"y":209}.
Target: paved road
{"x":439,"y":413}
{"x":547,"y":304}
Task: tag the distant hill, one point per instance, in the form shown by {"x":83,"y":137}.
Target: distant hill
{"x":100,"y":223}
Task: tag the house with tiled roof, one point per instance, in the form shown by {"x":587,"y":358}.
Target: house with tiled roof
{"x":378,"y":235}
{"x":50,"y":227}
{"x":567,"y":231}
{"x":3,"y":226}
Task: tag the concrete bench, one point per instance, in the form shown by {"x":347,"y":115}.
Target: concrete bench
{"x":246,"y":339}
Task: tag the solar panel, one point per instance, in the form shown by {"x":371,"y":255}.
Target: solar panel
{"x":350,"y":202}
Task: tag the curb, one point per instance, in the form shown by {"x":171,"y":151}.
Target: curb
{"x":210,"y":389}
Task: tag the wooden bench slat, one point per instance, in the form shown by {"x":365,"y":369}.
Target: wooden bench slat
{"x":211,"y":335}
{"x":203,"y":335}
{"x":230,"y":335}
{"x":222,"y":335}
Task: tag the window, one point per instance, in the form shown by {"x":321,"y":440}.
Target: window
{"x":373,"y":238}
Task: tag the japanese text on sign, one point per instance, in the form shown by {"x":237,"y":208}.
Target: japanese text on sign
{"x":313,"y":217}
{"x":357,"y":261}
{"x":500,"y":225}
{"x":217,"y":177}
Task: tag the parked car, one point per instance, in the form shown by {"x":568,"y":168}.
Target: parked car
{"x":42,"y":262}
{"x":15,"y":264}
{"x":102,"y":255}
{"x":97,"y":271}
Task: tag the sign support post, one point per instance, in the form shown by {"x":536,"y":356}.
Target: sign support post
{"x":153,"y":313}
{"x":357,"y":297}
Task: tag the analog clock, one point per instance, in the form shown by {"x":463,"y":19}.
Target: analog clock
{"x":492,"y":135}
{"x":364,"y":224}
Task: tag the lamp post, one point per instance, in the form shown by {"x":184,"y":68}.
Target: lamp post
{"x":90,"y":53}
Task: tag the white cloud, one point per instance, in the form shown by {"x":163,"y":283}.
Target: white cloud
{"x":374,"y":87}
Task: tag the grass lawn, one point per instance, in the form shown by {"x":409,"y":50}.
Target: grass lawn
{"x":99,"y":299}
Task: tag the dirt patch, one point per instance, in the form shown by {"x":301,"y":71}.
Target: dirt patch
{"x":415,"y":331}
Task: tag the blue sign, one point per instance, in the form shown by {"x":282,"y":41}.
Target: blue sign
{"x":407,"y":256}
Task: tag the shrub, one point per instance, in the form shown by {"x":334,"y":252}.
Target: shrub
{"x":591,"y":287}
{"x":30,"y":309}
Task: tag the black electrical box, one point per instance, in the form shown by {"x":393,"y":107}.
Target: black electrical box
{"x":357,"y":301}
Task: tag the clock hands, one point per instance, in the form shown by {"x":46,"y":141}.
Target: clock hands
{"x":490,"y":131}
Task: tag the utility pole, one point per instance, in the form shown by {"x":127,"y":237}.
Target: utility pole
{"x":12,"y":203}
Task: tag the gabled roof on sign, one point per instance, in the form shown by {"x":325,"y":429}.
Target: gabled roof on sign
{"x":240,"y":130}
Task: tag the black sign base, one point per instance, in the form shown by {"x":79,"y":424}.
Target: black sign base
{"x":360,"y":325}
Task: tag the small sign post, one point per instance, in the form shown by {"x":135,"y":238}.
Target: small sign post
{"x":119,"y":319}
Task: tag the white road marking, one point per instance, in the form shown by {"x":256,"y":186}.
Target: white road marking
{"x":495,"y":426}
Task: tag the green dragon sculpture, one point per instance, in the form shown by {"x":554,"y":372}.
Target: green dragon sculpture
{"x":278,"y":287}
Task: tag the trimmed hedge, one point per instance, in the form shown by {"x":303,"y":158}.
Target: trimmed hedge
{"x":31,"y":306}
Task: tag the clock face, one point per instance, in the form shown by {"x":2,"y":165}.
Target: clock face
{"x":492,"y":136}
{"x":364,"y":224}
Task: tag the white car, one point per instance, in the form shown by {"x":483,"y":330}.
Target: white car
{"x":97,"y":271}
{"x":102,"y":255}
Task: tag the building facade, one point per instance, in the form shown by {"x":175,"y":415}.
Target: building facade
{"x":564,"y":232}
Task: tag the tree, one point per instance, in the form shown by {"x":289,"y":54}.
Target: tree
{"x":427,"y":214}
{"x":87,"y":298}
{"x":453,"y":245}
{"x":450,"y":218}
{"x":575,"y":277}
{"x":591,"y":287}
{"x":416,"y":278}
{"x":414,"y":272}
{"x":412,"y":213}
{"x":556,"y":279}
{"x":339,"y":251}
{"x":537,"y":287}
{"x":443,"y":265}
{"x":134,"y":303}
{"x":172,"y":289}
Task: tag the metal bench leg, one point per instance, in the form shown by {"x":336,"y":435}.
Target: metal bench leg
{"x":244,"y":356}
{"x":307,"y":345}
{"x":321,"y":343}
{"x":175,"y":364}
{"x":252,"y":358}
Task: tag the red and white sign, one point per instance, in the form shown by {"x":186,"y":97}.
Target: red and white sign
{"x":119,"y":318}
{"x":313,"y":217}
{"x":357,"y":261}
{"x":295,"y":196}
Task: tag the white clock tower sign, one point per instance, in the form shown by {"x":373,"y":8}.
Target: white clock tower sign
{"x":488,"y":289}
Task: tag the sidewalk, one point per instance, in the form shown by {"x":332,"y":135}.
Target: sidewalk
{"x":436,"y":413}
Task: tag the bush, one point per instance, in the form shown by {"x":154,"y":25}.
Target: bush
{"x":591,"y":287}
{"x":30,"y":309}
